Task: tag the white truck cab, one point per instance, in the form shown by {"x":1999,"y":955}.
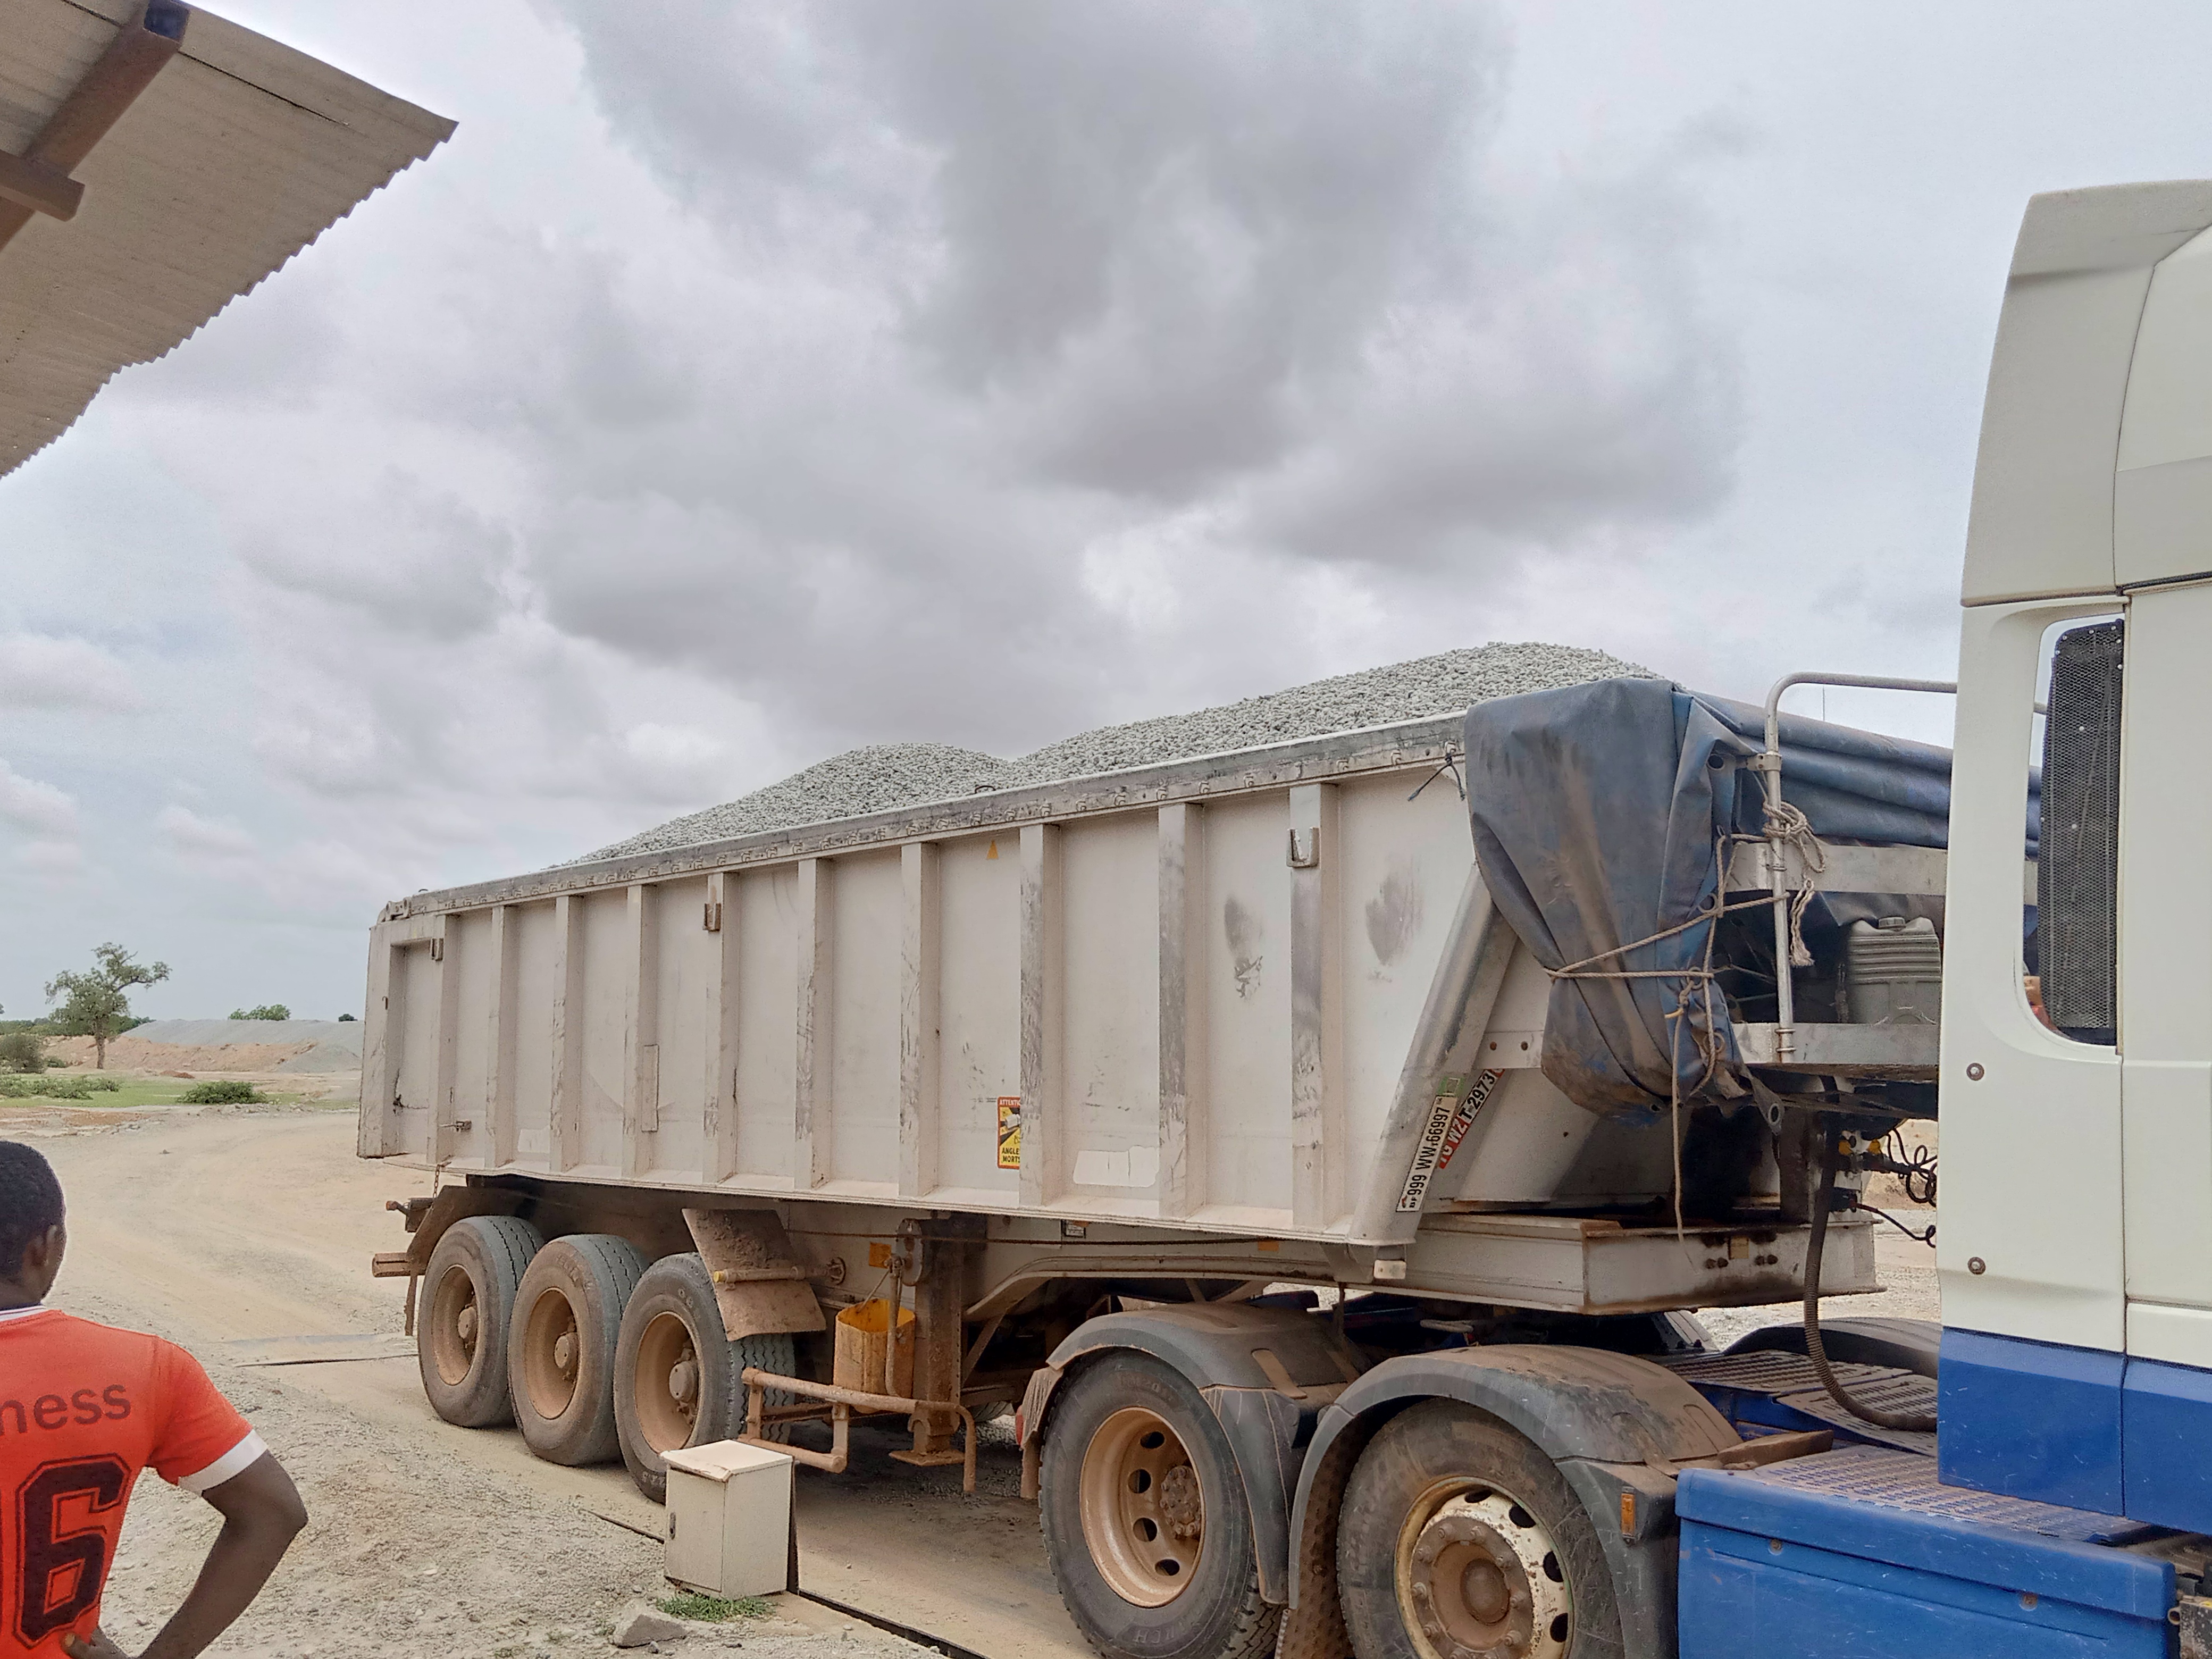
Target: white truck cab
{"x":2076,"y":1253}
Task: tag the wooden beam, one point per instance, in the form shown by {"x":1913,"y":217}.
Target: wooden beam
{"x":41,"y":189}
{"x":140,"y":50}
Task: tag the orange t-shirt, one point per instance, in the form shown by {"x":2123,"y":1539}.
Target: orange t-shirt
{"x":84,"y":1407}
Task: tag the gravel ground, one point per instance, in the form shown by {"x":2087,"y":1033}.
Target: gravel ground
{"x":893,"y":774}
{"x":425,"y":1541}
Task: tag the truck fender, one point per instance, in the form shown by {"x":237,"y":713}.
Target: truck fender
{"x":1614,"y":1424}
{"x":1265,"y":1373}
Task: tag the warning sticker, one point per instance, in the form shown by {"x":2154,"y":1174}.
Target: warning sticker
{"x":1451,"y":1114}
{"x":1010,"y":1132}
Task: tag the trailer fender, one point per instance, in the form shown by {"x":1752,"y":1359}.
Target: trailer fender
{"x":1614,"y":1424}
{"x":760,"y":1289}
{"x":1267,"y":1373}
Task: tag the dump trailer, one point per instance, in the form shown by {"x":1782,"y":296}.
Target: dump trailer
{"x":1319,"y":1144}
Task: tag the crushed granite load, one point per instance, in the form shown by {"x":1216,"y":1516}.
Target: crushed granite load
{"x":884,"y":777}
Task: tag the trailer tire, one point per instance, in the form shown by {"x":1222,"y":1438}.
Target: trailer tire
{"x":677,"y":1378}
{"x":1455,"y":1524}
{"x":467,"y":1304}
{"x":561,"y":1346}
{"x":1127,"y":1415}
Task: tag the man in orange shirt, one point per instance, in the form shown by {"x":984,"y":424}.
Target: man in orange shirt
{"x":83,"y":1408}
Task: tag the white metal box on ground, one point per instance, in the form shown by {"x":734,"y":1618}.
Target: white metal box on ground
{"x":729,"y":1519}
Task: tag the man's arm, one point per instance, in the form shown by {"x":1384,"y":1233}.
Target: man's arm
{"x":261,"y":1515}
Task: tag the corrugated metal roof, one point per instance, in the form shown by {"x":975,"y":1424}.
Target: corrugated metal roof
{"x":240,"y":153}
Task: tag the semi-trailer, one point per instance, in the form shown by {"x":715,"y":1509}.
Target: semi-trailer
{"x":1318,"y":1144}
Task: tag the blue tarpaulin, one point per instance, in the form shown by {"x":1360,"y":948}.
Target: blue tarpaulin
{"x":1596,"y":812}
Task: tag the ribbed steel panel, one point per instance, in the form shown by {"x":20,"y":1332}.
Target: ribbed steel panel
{"x":240,"y":153}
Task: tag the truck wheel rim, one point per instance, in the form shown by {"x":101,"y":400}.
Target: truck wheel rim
{"x":1143,"y":1514}
{"x":664,"y":1382}
{"x":550,"y":1352}
{"x":455,"y":1322}
{"x":1478,"y":1577}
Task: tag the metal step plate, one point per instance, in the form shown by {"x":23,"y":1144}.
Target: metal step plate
{"x":1790,"y":1381}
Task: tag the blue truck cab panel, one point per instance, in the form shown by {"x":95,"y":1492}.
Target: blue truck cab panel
{"x":1860,"y":1553}
{"x":2114,"y":1433}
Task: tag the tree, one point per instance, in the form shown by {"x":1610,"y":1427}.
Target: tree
{"x":22,"y":1051}
{"x":97,"y":1005}
{"x":266,"y":1011}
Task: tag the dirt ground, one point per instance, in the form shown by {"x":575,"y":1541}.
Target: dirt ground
{"x":224,"y":1227}
{"x":221,"y":1227}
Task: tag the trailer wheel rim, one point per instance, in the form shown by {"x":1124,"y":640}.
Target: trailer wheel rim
{"x":664,"y":1382}
{"x":456,"y":1325}
{"x":1479,"y":1576}
{"x":551,"y":1351}
{"x":1144,"y":1512}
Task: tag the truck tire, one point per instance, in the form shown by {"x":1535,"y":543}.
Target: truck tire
{"x":1144,"y":1518}
{"x":1457,"y":1535}
{"x":467,"y":1303}
{"x":561,"y":1346}
{"x":677,"y":1378}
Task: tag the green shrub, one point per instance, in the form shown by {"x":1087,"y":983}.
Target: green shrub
{"x":220,"y":1091}
{"x":266,"y":1011}
{"x":49,"y":1087}
{"x":711,"y":1609}
{"x":23,"y":1051}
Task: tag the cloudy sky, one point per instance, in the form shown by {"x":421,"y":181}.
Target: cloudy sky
{"x":744,"y":384}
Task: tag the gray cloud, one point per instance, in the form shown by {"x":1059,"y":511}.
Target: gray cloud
{"x":744,"y":385}
{"x":39,"y":671}
{"x":993,"y":287}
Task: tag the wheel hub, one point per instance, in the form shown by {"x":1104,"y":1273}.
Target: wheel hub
{"x":1481,"y":1580}
{"x":1179,"y":1504}
{"x":668,"y":1383}
{"x":551,"y":1353}
{"x":1142,"y":1508}
{"x":450,"y":1323}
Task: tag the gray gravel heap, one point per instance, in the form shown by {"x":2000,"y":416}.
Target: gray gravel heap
{"x":860,"y":780}
{"x":1444,"y":684}
{"x":893,"y":774}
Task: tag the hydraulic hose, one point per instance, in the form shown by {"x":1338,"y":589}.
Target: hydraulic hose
{"x":1823,"y":1194}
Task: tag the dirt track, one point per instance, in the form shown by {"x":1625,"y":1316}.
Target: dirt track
{"x":230,"y":1227}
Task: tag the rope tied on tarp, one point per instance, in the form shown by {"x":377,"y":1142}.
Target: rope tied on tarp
{"x":1787,"y":825}
{"x":1703,"y":977}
